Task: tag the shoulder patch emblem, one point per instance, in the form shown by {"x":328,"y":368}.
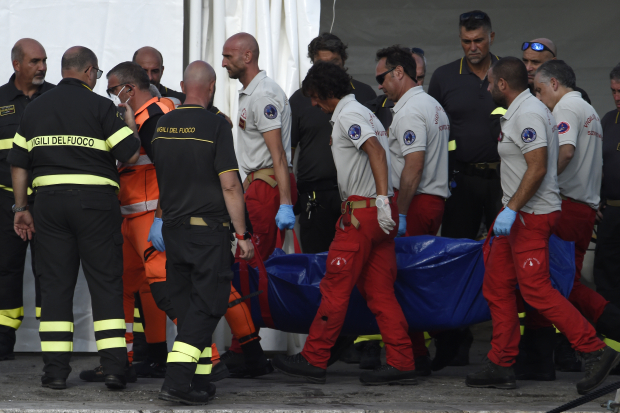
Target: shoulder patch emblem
{"x":7,"y":110}
{"x":528,"y":135}
{"x":271,"y":112}
{"x":409,"y":137}
{"x":355,"y":132}
{"x":563,"y":127}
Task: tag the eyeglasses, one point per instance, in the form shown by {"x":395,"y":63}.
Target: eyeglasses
{"x":537,"y":47}
{"x":99,"y":71}
{"x":110,"y":90}
{"x":381,"y":78}
{"x":478,"y":15}
{"x":417,"y":51}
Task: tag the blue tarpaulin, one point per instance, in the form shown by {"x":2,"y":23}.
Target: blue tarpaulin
{"x":439,"y":285}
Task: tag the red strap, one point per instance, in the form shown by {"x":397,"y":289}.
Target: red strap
{"x":280,"y":240}
{"x":263,"y":284}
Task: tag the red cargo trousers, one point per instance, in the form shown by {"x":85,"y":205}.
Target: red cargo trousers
{"x":364,"y":257}
{"x":523,"y":258}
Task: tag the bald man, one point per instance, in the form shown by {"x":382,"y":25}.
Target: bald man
{"x":26,"y":84}
{"x":152,"y":61}
{"x":199,"y":194}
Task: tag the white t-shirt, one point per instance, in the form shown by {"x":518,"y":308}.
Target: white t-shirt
{"x":580,"y":126}
{"x":263,"y":107}
{"x":421,"y":124}
{"x":353,"y":124}
{"x":529,"y":125}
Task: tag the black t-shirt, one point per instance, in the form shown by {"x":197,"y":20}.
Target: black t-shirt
{"x":191,"y":148}
{"x":311,"y":131}
{"x":72,"y":136}
{"x":381,"y":106}
{"x":611,"y":155}
{"x":465,"y":98}
{"x":147,"y":131}
{"x":169,"y":93}
{"x":12,"y":105}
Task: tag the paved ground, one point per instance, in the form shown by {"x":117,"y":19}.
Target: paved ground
{"x":444,"y":391}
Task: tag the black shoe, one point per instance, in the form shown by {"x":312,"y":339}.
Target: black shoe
{"x":423,"y":366}
{"x":7,"y":343}
{"x":151,"y":368}
{"x":115,"y":382}
{"x":608,"y":324}
{"x":535,"y":359}
{"x":232,"y":359}
{"x":566,"y":359}
{"x":298,"y":366}
{"x":371,"y":355}
{"x":52,"y":383}
{"x":597,"y":366}
{"x":387,"y":374}
{"x":493,"y":375}
{"x":466,"y":338}
{"x":96,"y":375}
{"x":218,"y":372}
{"x":452,"y":348}
{"x":247,"y":371}
{"x":193,"y":398}
{"x":352,"y":354}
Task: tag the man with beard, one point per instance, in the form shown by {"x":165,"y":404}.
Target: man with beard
{"x":152,"y":61}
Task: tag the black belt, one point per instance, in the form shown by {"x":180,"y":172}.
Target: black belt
{"x":483,"y":169}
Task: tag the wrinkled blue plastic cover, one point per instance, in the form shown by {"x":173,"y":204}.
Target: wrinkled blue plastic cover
{"x":439,"y":285}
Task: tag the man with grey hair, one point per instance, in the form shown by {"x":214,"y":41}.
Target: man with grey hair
{"x":26,"y":84}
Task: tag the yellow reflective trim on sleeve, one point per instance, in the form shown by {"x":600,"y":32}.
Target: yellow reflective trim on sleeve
{"x":499,"y":111}
{"x":521,"y":315}
{"x":38,"y":312}
{"x":67,"y":140}
{"x":204,"y":368}
{"x":118,"y":136}
{"x":451,"y":146}
{"x":56,"y":326}
{"x":522,"y":328}
{"x":230,"y":170}
{"x":174,"y":357}
{"x":6,"y":144}
{"x":207,"y":352}
{"x":613,"y":344}
{"x":111,"y":324}
{"x":77,"y":179}
{"x":57,"y":346}
{"x":13,"y":312}
{"x":138,"y":328}
{"x":113,"y":342}
{"x":20,"y":141}
{"x":184,"y":348}
{"x":10,"y":322}
{"x":136,"y":312}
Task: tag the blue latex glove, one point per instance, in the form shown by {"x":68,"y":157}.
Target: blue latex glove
{"x":504,"y":221}
{"x":285,"y":219}
{"x":402,"y":225}
{"x":155,"y":235}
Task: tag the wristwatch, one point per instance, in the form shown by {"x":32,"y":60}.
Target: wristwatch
{"x":20,"y":209}
{"x":381,"y":202}
{"x":246,"y":235}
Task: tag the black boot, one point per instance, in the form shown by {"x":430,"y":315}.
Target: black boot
{"x":7,"y":343}
{"x":155,"y":363}
{"x":53,"y":383}
{"x":608,"y":324}
{"x":218,"y":372}
{"x":371,"y":355}
{"x":597,"y":366}
{"x":96,"y":375}
{"x":191,"y":398}
{"x":466,"y":338}
{"x":298,"y":366}
{"x":452,"y":348}
{"x":535,"y":359}
{"x":232,"y":359}
{"x":140,"y":347}
{"x":115,"y":381}
{"x":565,"y":357}
{"x":423,"y":365}
{"x":387,"y":374}
{"x":493,"y":375}
{"x":256,"y":363}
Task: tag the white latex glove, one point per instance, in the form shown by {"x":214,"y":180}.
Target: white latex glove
{"x":384,"y":214}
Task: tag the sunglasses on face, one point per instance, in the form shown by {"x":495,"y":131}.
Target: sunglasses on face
{"x":473,"y":15}
{"x":381,"y":78}
{"x":99,"y":71}
{"x":110,"y":91}
{"x":417,"y":51}
{"x":537,"y":47}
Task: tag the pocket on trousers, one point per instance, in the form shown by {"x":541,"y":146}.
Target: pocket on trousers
{"x":531,"y":255}
{"x":340,"y":256}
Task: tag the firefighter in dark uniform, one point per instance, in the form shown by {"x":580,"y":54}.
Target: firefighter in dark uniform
{"x":27,"y":83}
{"x":199,"y":194}
{"x":70,"y":139}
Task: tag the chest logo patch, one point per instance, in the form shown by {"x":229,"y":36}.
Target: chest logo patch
{"x":409,"y":137}
{"x":355,"y":132}
{"x":7,"y":110}
{"x":242,"y":123}
{"x":528,"y":135}
{"x":271,"y":112}
{"x":563,"y":127}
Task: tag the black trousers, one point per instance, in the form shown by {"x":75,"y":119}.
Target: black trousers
{"x":198,"y":277}
{"x":607,"y":255}
{"x":318,"y":225}
{"x":12,"y":261}
{"x":475,"y":196}
{"x":74,"y":226}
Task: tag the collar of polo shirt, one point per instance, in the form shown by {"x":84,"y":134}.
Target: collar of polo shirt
{"x":514,"y":106}
{"x":343,"y":102}
{"x":404,"y":98}
{"x":254,"y":83}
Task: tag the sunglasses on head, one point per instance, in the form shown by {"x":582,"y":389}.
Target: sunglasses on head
{"x":478,"y":15}
{"x":535,"y":46}
{"x":381,"y":78}
{"x":417,"y":51}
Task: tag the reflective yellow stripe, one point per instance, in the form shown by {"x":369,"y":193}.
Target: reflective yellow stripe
{"x":118,"y":136}
{"x":11,"y":322}
{"x":184,"y":348}
{"x":373,"y":337}
{"x":56,"y":326}
{"x":207,"y":352}
{"x":7,"y":188}
{"x":13,"y":313}
{"x":522,"y":328}
{"x":181,"y":139}
{"x":38,"y":312}
{"x":521,"y":315}
{"x":6,"y":144}
{"x":499,"y":111}
{"x":174,"y":357}
{"x":138,"y":328}
{"x":230,"y":170}
{"x":204,"y":368}
{"x":136,"y":312}
{"x":113,"y":342}
{"x":111,"y":324}
{"x":20,"y":141}
{"x":451,"y":145}
{"x":613,"y":344}
{"x":57,"y":346}
{"x":67,"y":140}
{"x":72,"y":179}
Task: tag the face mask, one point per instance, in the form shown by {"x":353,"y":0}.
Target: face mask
{"x":117,"y":100}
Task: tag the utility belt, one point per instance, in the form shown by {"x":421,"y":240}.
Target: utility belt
{"x":565,"y":198}
{"x":347,"y":208}
{"x":483,"y":169}
{"x":206,"y":222}
{"x":264,"y":175}
{"x":613,"y":203}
